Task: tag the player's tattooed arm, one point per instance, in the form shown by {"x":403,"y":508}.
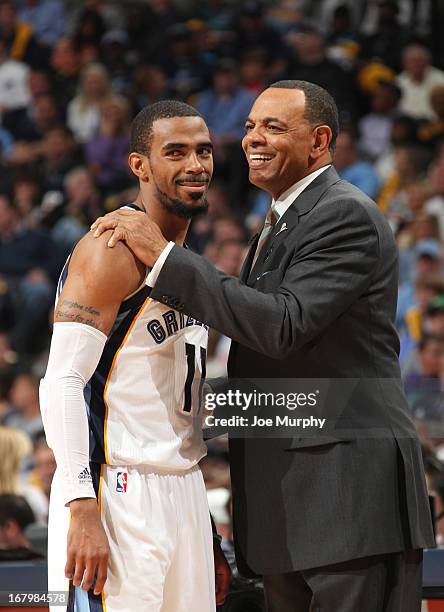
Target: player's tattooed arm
{"x":69,"y":310}
{"x":98,"y":280}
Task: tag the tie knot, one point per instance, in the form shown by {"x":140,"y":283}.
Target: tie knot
{"x":271,"y":217}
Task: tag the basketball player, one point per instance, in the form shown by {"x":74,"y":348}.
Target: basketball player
{"x":129,"y":524}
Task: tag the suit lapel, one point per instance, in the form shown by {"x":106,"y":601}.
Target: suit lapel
{"x":249,"y":258}
{"x":301,"y":206}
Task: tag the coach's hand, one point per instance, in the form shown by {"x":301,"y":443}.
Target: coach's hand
{"x":88,"y":548}
{"x":223,"y":574}
{"x":137,"y":230}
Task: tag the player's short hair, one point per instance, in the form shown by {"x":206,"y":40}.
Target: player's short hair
{"x":320,"y":108}
{"x":142,"y":125}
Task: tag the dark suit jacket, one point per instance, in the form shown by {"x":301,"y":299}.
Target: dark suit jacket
{"x":319,"y":302}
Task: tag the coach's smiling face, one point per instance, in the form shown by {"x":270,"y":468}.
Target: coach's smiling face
{"x":280,"y":144}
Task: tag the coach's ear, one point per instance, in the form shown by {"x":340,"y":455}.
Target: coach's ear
{"x":139,"y":166}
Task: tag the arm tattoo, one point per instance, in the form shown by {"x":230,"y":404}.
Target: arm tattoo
{"x":77,"y":313}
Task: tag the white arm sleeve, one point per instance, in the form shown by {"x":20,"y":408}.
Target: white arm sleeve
{"x":74,"y":355}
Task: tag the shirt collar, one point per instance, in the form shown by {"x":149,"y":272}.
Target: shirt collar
{"x":286,"y":199}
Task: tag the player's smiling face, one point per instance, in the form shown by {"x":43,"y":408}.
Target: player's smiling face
{"x":181,"y":163}
{"x":278,"y":140}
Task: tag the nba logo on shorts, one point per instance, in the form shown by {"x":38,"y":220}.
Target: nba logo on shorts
{"x":122,"y":478}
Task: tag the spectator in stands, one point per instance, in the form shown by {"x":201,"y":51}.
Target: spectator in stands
{"x":311,"y":64}
{"x":219,"y":207}
{"x":253,"y":32}
{"x":229,"y":256}
{"x":81,"y":208}
{"x":138,"y":23}
{"x":403,"y":134}
{"x":66,"y":64}
{"x":375,"y":128}
{"x":30,"y":128}
{"x":253,"y":71}
{"x":46,"y":18}
{"x":389,"y":39}
{"x":28,"y":261}
{"x":6,"y":376}
{"x":410,"y":165}
{"x":15,"y":451}
{"x":8,"y":359}
{"x":418,"y":240}
{"x":431,"y":132}
{"x":107,"y":152}
{"x":434,"y":316}
{"x":218,"y":15}
{"x":24,"y":396}
{"x":83,"y":113}
{"x":225,"y":107}
{"x":89,"y":31}
{"x":227,"y":228}
{"x":342,"y":42}
{"x":150,"y":85}
{"x":414,"y":299}
{"x":15,"y":516}
{"x":7,"y":314}
{"x":431,"y":320}
{"x":26,"y":196}
{"x":159,"y":17}
{"x":59,"y":155}
{"x":352,"y":168}
{"x":39,"y":82}
{"x":14,"y":82}
{"x":423,"y":385}
{"x":432,"y":465}
{"x":417,"y":81}
{"x":44,"y":466}
{"x":18,"y":37}
{"x":114,"y":51}
{"x":437,"y":486}
{"x":434,"y":205}
{"x":187,"y":70}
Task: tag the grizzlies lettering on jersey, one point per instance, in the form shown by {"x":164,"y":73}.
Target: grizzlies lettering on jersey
{"x":143,"y":398}
{"x":171,"y":323}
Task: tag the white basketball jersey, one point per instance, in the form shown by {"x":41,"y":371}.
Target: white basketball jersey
{"x":143,"y":399}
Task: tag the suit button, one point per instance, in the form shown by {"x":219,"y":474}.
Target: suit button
{"x":180,"y":306}
{"x":165,"y":299}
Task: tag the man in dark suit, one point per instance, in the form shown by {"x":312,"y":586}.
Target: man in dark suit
{"x":334,"y":523}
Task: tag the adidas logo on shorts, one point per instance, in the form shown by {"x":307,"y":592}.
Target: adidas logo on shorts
{"x":85,"y":476}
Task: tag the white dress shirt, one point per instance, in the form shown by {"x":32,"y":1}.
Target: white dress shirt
{"x":279,"y":206}
{"x":286,"y":199}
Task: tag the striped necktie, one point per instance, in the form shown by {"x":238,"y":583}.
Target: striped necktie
{"x":270,"y":221}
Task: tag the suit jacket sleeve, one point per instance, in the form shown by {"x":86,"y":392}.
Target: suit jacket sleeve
{"x":331,"y":267}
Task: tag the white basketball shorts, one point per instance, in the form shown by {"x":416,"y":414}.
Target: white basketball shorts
{"x":161,"y":546}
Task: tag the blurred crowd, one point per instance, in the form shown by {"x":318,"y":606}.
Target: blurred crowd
{"x":72,"y":77}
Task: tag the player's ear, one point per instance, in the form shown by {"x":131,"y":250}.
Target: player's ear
{"x":139,"y":166}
